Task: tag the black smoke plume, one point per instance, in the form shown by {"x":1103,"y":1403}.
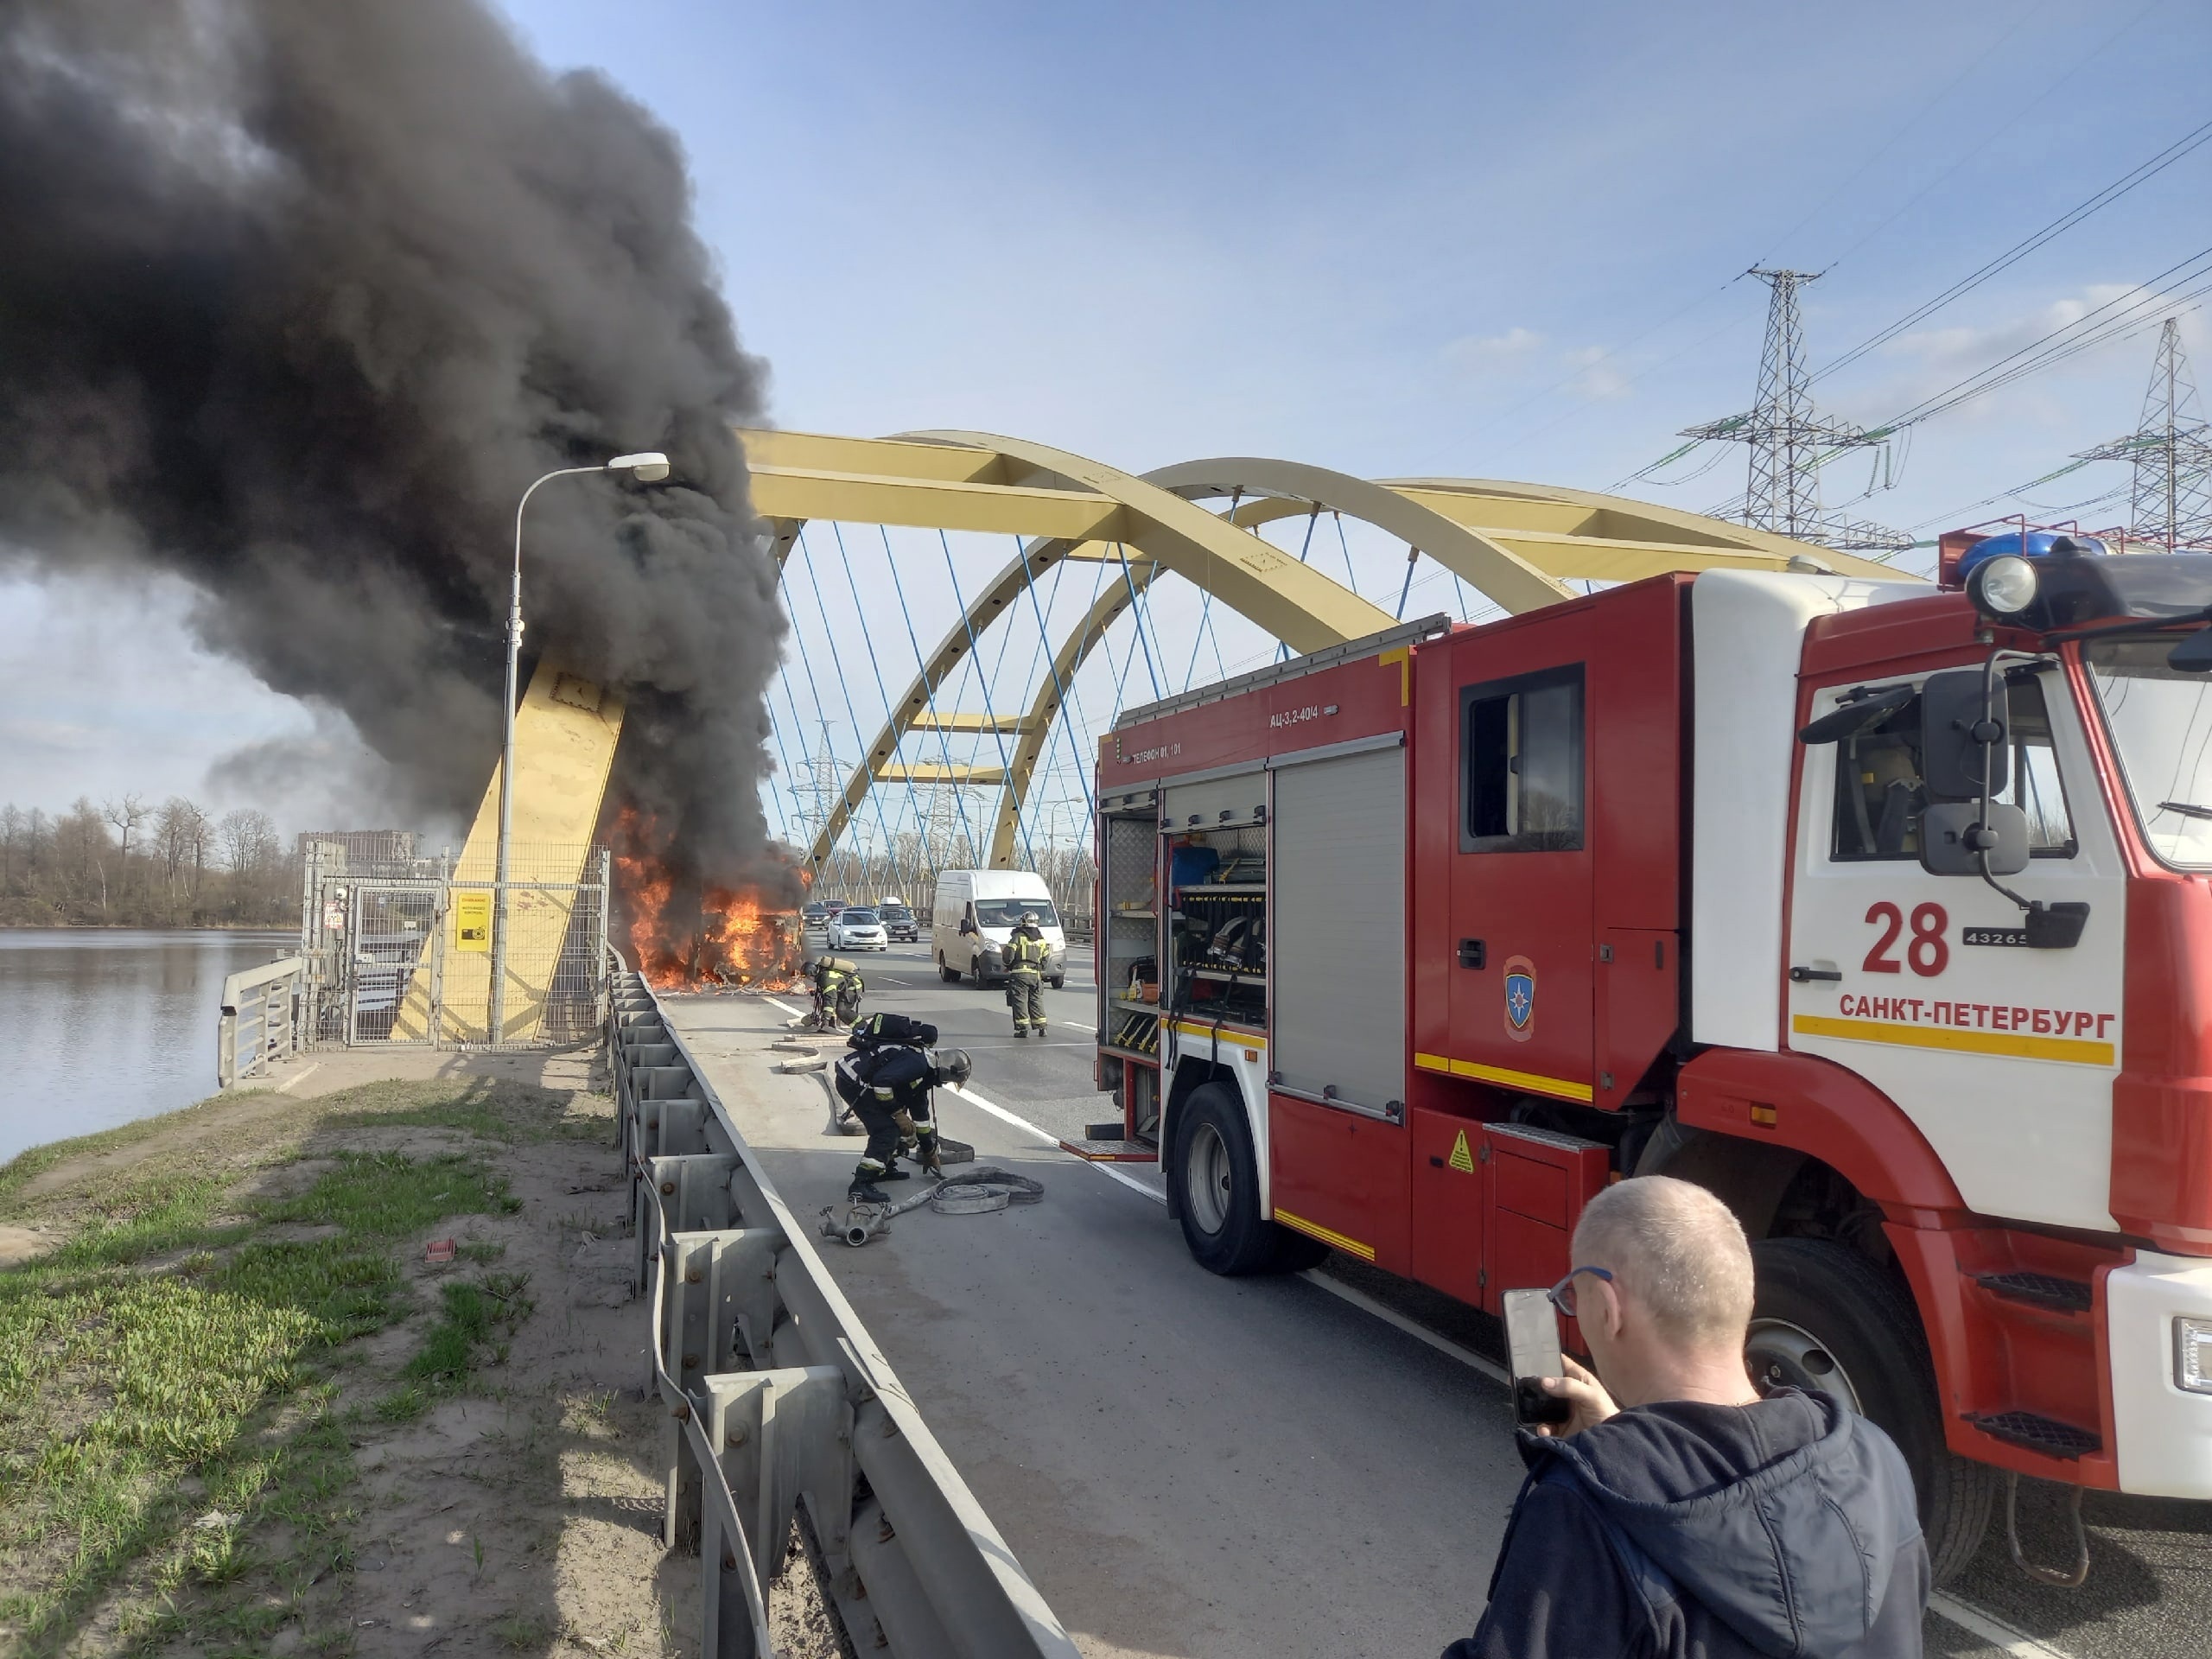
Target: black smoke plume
{"x":296,"y":297}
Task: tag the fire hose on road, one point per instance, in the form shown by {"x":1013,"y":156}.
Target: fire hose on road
{"x":977,"y":1192}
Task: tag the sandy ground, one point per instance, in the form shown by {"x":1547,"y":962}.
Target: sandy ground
{"x":523,"y":1516}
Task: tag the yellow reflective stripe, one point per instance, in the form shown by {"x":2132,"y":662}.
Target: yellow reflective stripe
{"x":1314,"y":1230}
{"x":1566,"y":1089}
{"x":2074,"y":1050}
{"x":1244,"y":1038}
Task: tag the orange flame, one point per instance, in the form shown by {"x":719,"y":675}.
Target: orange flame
{"x":727,"y":938}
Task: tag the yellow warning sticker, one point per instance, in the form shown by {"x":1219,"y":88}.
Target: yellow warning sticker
{"x":472,"y":921}
{"x":1461,"y":1159}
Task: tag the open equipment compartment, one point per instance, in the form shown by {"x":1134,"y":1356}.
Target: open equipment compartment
{"x":1129,"y":980}
{"x":1217,"y":860}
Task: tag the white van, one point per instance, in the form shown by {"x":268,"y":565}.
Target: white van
{"x":976,"y":911}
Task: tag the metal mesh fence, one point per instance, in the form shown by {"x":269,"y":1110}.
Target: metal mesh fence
{"x":410,"y":957}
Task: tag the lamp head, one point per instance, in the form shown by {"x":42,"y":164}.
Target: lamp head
{"x":647,"y":466}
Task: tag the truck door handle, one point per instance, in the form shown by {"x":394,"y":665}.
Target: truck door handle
{"x":1471,"y":953}
{"x":1801,"y":975}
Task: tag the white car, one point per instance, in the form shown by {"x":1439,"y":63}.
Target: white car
{"x":858,"y":930}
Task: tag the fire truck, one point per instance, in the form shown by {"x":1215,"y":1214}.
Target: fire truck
{"x":1878,"y":908}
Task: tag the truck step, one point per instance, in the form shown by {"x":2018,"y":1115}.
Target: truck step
{"x":2038,"y":1290}
{"x":1113,"y":1152}
{"x":2036,"y":1433}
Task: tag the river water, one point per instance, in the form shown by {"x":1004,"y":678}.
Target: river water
{"x":100,"y":1026}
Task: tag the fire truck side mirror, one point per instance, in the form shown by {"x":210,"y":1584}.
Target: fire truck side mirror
{"x":1954,"y":833}
{"x":1959,"y":735}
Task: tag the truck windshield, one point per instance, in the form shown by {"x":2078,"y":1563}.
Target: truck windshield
{"x":1005,"y":913}
{"x":2161,"y":724}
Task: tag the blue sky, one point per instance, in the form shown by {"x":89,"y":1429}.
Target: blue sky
{"x":1492,"y":240}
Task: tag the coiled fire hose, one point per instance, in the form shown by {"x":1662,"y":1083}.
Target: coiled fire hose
{"x":977,"y":1192}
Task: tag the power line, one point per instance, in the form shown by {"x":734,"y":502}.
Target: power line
{"x":2085,"y":332}
{"x":2019,"y":251}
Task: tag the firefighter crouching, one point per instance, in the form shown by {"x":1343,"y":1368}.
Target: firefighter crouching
{"x":837,"y":987}
{"x":886,"y":1078}
{"x":1025,"y":952}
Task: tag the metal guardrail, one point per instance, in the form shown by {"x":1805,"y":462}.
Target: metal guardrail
{"x":259,"y":1021}
{"x":778,"y":1397}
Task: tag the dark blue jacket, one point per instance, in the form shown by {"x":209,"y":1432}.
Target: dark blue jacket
{"x":1787,"y":1528}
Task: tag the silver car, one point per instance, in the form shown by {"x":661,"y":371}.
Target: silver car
{"x":858,"y":930}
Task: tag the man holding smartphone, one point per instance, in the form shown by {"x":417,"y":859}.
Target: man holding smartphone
{"x":1674,"y":1511}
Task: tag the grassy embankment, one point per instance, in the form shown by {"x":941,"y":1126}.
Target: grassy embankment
{"x":184,"y":1377}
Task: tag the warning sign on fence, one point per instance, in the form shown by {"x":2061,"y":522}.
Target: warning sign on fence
{"x":472,"y":921}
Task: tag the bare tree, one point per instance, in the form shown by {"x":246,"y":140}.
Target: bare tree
{"x":11,"y":843}
{"x":81,"y":850}
{"x":179,"y":827}
{"x":126,"y":815}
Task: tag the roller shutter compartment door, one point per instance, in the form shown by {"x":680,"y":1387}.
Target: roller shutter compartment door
{"x":1336,"y":939}
{"x":1240,"y":798}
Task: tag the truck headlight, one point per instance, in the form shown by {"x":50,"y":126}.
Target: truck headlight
{"x":2193,"y":1354}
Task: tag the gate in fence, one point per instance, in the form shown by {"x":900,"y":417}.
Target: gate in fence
{"x":402,"y":950}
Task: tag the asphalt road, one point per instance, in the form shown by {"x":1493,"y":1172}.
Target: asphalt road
{"x":1316,"y":1465}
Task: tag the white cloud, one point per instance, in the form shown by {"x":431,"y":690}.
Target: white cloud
{"x":1484,"y":351}
{"x":1599,"y":379}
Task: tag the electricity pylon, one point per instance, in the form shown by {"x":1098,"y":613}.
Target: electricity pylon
{"x":2171,"y":452}
{"x":1789,"y":441}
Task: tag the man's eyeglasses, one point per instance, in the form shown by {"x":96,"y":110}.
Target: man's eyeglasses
{"x":1561,"y":1295}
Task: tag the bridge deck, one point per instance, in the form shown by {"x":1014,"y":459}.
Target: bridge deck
{"x":1215,"y":1468}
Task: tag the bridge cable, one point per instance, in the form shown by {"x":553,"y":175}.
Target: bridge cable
{"x":1413,"y":556}
{"x":845,"y":689}
{"x":814,"y":691}
{"x":1060,"y":692}
{"x":1205,"y":605}
{"x":990,"y":715}
{"x":883,"y":692}
{"x":1064,"y":718}
{"x":1282,"y":647}
{"x":928,"y":696}
{"x":1136,"y":607}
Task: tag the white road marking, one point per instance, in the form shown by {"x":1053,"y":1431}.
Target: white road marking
{"x":1107,"y":1170}
{"x":313,"y":1067}
{"x":1361,"y":1299}
{"x":794,"y":1012}
{"x":1993,"y":1630}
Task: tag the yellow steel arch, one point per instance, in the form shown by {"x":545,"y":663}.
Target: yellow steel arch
{"x":1517,"y":543}
{"x":1291,"y":600}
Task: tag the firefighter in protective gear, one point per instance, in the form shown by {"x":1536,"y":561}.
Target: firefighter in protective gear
{"x":888,"y":1089}
{"x":837,"y":988}
{"x":1025,"y":954}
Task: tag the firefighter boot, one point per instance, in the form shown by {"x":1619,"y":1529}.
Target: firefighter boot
{"x":863,"y":1189}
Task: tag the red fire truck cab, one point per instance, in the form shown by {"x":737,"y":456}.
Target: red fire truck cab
{"x":1409,"y":947}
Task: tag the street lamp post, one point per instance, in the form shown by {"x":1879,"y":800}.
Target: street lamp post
{"x":649,"y":467}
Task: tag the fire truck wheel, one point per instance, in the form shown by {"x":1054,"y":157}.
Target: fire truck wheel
{"x":1827,"y":1320}
{"x":1220,"y":1188}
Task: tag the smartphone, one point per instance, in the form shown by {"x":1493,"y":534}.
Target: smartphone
{"x":1532,"y":1351}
